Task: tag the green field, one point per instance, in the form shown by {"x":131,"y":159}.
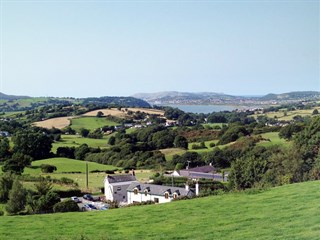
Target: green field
{"x":287,"y":115}
{"x":288,"y":212}
{"x":77,"y":140}
{"x":90,"y":123}
{"x":274,"y":140}
{"x":70,"y":165}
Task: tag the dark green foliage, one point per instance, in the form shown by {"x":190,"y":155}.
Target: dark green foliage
{"x":233,"y":133}
{"x":162,"y":139}
{"x":67,"y":152}
{"x":199,"y":146}
{"x":4,"y":149}
{"x":193,"y":158}
{"x":180,"y":142}
{"x":47,"y":168}
{"x":217,"y":158}
{"x":81,"y":152}
{"x":315,"y":112}
{"x":84,"y":132}
{"x":288,"y":131}
{"x":66,"y":206}
{"x":44,"y":199}
{"x":100,"y":114}
{"x":35,"y":144}
{"x":6,"y":181}
{"x":17,"y":198}
{"x":16,"y":163}
{"x":112,"y":140}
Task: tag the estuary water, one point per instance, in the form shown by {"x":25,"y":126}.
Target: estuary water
{"x":204,"y":108}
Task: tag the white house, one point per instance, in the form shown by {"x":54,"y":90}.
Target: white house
{"x":115,"y":187}
{"x":140,"y":192}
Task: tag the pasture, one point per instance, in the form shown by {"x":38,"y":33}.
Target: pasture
{"x":123,"y":113}
{"x":274,"y":140}
{"x":287,"y":212}
{"x":77,"y":140}
{"x":59,"y":122}
{"x":91,"y":123}
{"x":283,"y":114}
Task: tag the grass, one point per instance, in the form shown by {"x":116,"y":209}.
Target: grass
{"x":274,"y":140}
{"x":90,"y":123}
{"x":170,"y":152}
{"x":288,"y":212}
{"x":288,"y":115}
{"x":66,"y":165}
{"x":77,"y":140}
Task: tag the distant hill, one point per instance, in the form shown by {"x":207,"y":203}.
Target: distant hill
{"x":221,"y":98}
{"x":11,"y":103}
{"x":292,"y":96}
{"x":11,"y":97}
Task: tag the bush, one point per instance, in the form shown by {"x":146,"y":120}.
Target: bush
{"x":47,"y":168}
{"x":69,"y":193}
{"x":66,"y":206}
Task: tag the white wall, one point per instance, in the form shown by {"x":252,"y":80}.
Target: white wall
{"x":140,"y":197}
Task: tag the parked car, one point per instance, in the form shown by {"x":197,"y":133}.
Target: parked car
{"x":88,"y":197}
{"x":104,"y":207}
{"x":89,"y":207}
{"x":76,"y":199}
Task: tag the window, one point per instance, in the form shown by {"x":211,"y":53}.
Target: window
{"x":156,"y":200}
{"x":166,"y":195}
{"x":118,"y":188}
{"x":145,"y":192}
{"x":135,"y":191}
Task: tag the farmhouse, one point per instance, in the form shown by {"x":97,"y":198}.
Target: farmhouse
{"x":139,"y":192}
{"x":115,"y":187}
{"x":207,"y":172}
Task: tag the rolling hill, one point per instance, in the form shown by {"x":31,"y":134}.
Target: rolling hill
{"x":287,"y":212}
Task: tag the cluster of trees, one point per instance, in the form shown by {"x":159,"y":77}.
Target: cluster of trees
{"x":276,"y":165}
{"x":18,"y":200}
{"x":29,"y":145}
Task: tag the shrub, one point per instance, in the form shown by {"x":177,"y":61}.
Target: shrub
{"x":66,"y":206}
{"x":47,"y":168}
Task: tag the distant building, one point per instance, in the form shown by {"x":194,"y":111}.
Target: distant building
{"x":140,"y":192}
{"x":206,"y":172}
{"x":115,"y":187}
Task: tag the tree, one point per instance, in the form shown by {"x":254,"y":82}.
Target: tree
{"x":6,"y":181}
{"x":17,"y":163}
{"x":47,"y":168}
{"x":112,"y":140}
{"x":17,"y":198}
{"x":4,"y":149}
{"x":180,"y":142}
{"x":81,"y":151}
{"x":100,"y":114}
{"x":66,"y":206}
{"x":315,"y":112}
{"x":84,"y":132}
{"x":35,"y":144}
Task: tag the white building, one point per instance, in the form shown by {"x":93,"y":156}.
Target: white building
{"x":115,"y":187}
{"x":139,"y":192}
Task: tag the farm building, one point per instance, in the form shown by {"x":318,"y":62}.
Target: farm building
{"x":207,"y":172}
{"x":115,"y":187}
{"x":139,"y":192}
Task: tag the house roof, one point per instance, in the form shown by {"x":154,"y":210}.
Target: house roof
{"x":158,"y":189}
{"x":121,"y":178}
{"x":203,"y":169}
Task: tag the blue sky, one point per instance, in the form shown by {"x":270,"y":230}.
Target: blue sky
{"x":113,"y":48}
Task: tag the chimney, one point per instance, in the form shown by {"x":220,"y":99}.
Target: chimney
{"x":187,"y":187}
{"x":197,"y":188}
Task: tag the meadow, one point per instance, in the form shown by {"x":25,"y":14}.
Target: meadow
{"x":77,"y":140}
{"x":90,"y":123}
{"x":286,"y":212}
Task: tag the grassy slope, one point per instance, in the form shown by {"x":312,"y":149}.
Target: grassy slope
{"x":274,"y":140}
{"x":77,"y":140}
{"x":288,"y":212}
{"x":90,"y":123}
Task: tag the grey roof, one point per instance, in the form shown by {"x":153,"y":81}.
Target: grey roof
{"x":121,"y":178}
{"x":159,"y":189}
{"x":203,"y":169}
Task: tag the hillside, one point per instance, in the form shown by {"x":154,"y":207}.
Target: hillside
{"x":221,"y":98}
{"x":287,"y":212}
{"x":11,"y":97}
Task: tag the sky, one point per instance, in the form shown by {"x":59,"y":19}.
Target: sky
{"x":67,"y":48}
